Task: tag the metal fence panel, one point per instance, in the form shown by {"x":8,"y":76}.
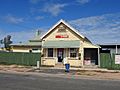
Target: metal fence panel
{"x":108,"y":61}
{"x":20,"y":58}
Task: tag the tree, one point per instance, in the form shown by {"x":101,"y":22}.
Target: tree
{"x":1,"y":41}
{"x":7,"y":42}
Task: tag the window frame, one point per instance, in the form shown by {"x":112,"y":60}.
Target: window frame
{"x":50,"y":52}
{"x":75,"y":51}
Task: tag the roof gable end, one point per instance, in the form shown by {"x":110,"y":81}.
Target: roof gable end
{"x":62,"y":21}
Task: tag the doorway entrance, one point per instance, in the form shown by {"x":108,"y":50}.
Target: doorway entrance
{"x":60,"y":53}
{"x":90,"y":56}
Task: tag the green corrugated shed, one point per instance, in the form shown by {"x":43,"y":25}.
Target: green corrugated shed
{"x":62,"y":44}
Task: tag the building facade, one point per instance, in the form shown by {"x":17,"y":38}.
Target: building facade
{"x":63,"y":44}
{"x":112,"y":48}
{"x":33,"y":45}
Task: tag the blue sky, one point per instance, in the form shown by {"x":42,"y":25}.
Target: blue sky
{"x":99,"y":20}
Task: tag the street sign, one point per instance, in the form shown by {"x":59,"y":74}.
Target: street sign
{"x":117,"y":59}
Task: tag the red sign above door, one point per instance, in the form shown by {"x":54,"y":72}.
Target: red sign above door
{"x":61,"y":36}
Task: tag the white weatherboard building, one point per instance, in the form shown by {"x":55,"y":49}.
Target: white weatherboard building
{"x":63,"y":44}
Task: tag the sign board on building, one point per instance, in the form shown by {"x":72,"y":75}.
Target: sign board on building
{"x":62,"y":36}
{"x":117,"y":59}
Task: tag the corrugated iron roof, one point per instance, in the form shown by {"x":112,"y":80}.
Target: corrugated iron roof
{"x":28,"y":44}
{"x":62,"y":44}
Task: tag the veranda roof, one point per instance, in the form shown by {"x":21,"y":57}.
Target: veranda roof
{"x":62,"y":44}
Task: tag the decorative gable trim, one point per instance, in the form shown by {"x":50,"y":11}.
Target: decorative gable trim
{"x":62,"y":21}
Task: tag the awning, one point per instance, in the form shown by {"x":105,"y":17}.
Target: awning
{"x":62,"y":44}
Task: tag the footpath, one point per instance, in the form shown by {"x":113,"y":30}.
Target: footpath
{"x":85,"y":73}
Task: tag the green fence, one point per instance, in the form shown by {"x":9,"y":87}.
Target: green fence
{"x":29,"y":59}
{"x":108,"y":61}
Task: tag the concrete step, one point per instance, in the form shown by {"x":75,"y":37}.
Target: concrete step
{"x":59,"y":65}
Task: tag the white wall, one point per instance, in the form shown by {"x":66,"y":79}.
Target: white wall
{"x":34,"y":51}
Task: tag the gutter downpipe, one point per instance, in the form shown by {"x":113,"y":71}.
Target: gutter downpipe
{"x":116,"y":49}
{"x":99,"y":56}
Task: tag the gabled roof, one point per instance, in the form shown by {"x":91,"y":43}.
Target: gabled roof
{"x":36,"y":39}
{"x":62,"y":21}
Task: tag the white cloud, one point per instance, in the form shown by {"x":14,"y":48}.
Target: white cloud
{"x":13,"y":20}
{"x":39,"y":18}
{"x":21,"y":36}
{"x":83,"y":1}
{"x":54,"y":9}
{"x":34,"y":1}
{"x":100,"y":29}
{"x":1,"y":34}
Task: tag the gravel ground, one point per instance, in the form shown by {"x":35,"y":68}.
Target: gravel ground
{"x":85,"y":73}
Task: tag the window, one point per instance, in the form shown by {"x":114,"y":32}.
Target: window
{"x":34,"y":49}
{"x":50,"y":52}
{"x":61,"y":29}
{"x":73,"y":52}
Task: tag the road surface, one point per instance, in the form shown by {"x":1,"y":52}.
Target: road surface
{"x":33,"y":82}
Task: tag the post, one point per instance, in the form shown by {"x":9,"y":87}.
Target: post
{"x":82,"y":57}
{"x":38,"y":64}
{"x":98,"y":57}
{"x":116,"y":49}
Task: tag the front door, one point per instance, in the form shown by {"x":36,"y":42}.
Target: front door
{"x":60,"y":53}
